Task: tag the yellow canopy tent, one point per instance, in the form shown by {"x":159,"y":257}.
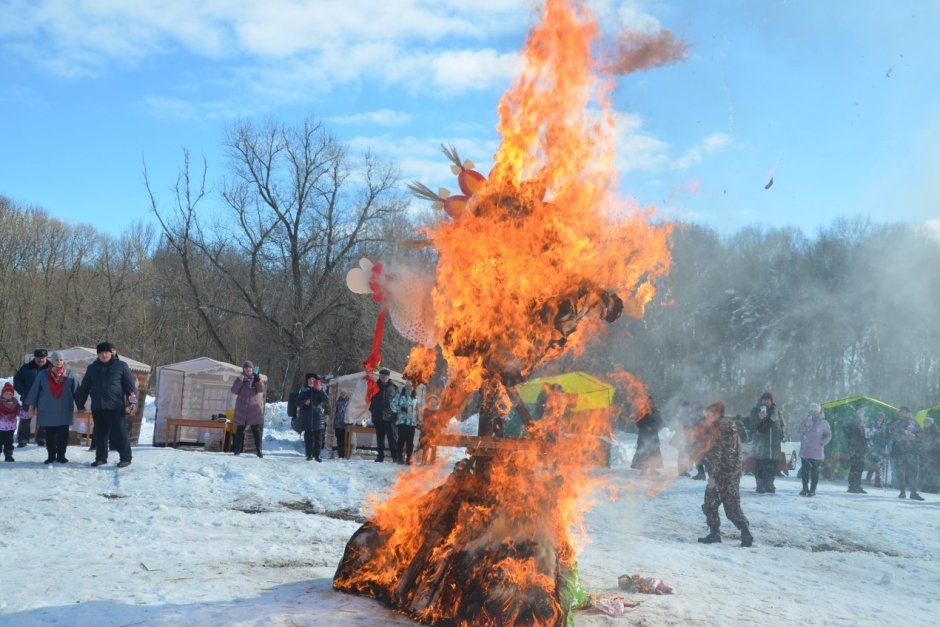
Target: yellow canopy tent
{"x":592,"y":393}
{"x":933,"y":412}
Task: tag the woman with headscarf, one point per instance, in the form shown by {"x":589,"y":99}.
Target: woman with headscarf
{"x":815,"y":434}
{"x":249,"y":407}
{"x":52,"y":400}
{"x":766,"y":426}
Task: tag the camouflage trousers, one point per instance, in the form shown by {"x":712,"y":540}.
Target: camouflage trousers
{"x":723,"y":491}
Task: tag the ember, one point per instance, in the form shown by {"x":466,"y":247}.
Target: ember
{"x":533,"y":260}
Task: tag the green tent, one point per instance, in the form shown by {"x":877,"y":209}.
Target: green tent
{"x":836,"y":466}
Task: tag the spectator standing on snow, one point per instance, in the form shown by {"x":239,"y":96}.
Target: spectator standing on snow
{"x":405,"y":405}
{"x":10,"y":410}
{"x":857,"y":444}
{"x":23,"y":383}
{"x":766,"y":426}
{"x":249,"y":407}
{"x":52,"y":401}
{"x":905,"y":450}
{"x":723,"y":460}
{"x":815,"y":434}
{"x":648,"y":456}
{"x":383,"y":415}
{"x":113,"y":392}
{"x":311,"y":400}
{"x":877,"y":448}
{"x":339,"y":422}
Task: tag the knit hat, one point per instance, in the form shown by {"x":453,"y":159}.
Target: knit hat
{"x":311,"y":375}
{"x":7,"y":387}
{"x":247,"y":364}
{"x":56,"y":356}
{"x":40,"y":352}
{"x":104,"y":347}
{"x":815,"y":407}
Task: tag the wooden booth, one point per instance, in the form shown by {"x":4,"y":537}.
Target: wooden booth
{"x":77,"y":359}
{"x":195,"y":404}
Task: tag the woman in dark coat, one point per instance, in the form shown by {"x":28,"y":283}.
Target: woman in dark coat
{"x":310,"y":407}
{"x":648,"y":457}
{"x":766,"y":427}
{"x":52,"y":399}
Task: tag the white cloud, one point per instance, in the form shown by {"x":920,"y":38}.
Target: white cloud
{"x":74,"y":37}
{"x":380,"y":117}
{"x":696,"y":154}
{"x":637,"y":150}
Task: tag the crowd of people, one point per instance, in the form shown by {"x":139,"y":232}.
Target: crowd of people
{"x":711,"y":443}
{"x":50,"y":393}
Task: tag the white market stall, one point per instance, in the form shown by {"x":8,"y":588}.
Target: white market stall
{"x":197,"y":389}
{"x":357,"y":413}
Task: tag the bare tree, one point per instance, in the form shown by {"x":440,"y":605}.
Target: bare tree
{"x":300,"y":208}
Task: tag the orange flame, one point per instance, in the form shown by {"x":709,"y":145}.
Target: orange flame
{"x":540,"y":257}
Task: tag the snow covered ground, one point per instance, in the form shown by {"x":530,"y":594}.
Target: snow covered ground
{"x":197,"y":538}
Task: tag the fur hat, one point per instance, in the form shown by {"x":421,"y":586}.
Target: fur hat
{"x":385,"y":371}
{"x":40,"y":352}
{"x":311,"y":375}
{"x":7,"y":387}
{"x":104,"y":347}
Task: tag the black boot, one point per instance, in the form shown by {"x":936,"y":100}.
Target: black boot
{"x":239,"y":440}
{"x":916,"y":497}
{"x":746,"y":538}
{"x":256,"y":432}
{"x":805,"y":490}
{"x":812,"y":487}
{"x":714,"y":536}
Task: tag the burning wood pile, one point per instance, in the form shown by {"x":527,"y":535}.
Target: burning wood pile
{"x":533,"y":260}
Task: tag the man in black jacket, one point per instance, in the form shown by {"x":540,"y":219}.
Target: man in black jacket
{"x":22,"y":383}
{"x":383,"y":418}
{"x":113,"y":392}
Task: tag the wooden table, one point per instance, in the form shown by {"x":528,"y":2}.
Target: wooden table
{"x":350,"y":429}
{"x":176,"y":423}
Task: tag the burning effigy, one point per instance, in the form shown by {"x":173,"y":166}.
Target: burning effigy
{"x":533,"y":260}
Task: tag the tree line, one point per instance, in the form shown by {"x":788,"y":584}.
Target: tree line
{"x":252,"y":264}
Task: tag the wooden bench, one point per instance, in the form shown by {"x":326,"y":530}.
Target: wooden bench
{"x":176,"y":423}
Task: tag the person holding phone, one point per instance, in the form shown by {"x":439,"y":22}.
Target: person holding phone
{"x":767,"y":429}
{"x":249,"y":406}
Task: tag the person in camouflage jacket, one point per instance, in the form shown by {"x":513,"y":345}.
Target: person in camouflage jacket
{"x":723,"y":460}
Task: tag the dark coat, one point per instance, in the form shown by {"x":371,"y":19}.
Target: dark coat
{"x":109,"y":384}
{"x":766,"y":433}
{"x":52,"y":411}
{"x":24,"y":377}
{"x":311,"y":415}
{"x":648,"y":455}
{"x":380,"y":407}
{"x":853,"y":428}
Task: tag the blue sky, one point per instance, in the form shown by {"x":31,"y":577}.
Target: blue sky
{"x":839,"y":100}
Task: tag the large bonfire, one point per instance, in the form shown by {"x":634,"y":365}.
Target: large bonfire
{"x":531,"y":262}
